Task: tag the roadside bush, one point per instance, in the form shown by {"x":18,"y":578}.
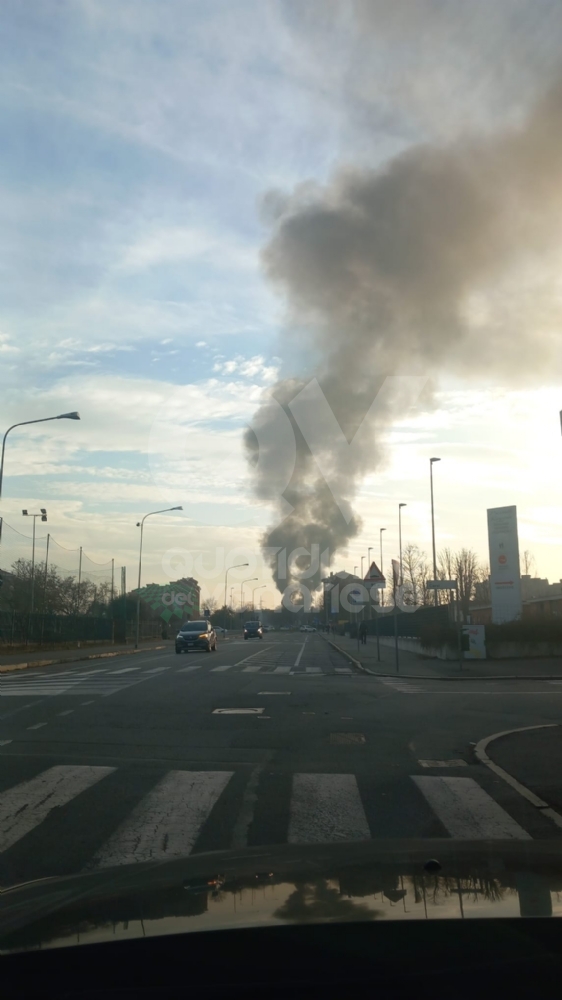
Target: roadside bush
{"x":434,"y":636}
{"x":526,"y":630}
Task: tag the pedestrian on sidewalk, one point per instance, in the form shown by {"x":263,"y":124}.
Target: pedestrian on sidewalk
{"x":363,"y":633}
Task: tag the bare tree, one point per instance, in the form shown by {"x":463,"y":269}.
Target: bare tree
{"x":483,"y":581}
{"x":467,"y":573}
{"x":528,"y":563}
{"x":415,"y":570}
{"x":426,"y":595}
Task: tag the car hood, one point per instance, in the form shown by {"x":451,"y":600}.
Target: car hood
{"x":377,"y":880}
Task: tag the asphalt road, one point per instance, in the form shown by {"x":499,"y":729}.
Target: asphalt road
{"x":146,"y":756}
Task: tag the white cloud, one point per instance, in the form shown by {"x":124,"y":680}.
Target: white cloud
{"x":6,"y":347}
{"x":168,"y":244}
{"x":255,"y":367}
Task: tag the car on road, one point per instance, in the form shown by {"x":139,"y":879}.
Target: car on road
{"x":268,"y":628}
{"x":196,"y":635}
{"x":253,"y":630}
{"x":285,"y":628}
{"x":307,"y":628}
{"x":220,"y":630}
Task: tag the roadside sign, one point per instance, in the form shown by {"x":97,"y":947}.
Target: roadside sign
{"x":441,"y":584}
{"x":375,"y":576}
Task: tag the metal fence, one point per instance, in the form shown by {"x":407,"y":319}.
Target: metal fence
{"x":408,"y":624}
{"x":22,"y":629}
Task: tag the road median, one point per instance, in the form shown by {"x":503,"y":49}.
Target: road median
{"x":74,"y":656}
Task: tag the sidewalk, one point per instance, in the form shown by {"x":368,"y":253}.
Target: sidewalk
{"x":413,"y":665}
{"x":45,"y":658}
{"x":535,"y":759}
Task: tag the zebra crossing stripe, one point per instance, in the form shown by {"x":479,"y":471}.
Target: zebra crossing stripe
{"x":25,"y":806}
{"x":466,"y":811}
{"x":167,"y":822}
{"x":282,"y":670}
{"x":220,"y":670}
{"x":326,"y":808}
{"x":188,"y":670}
{"x":251,"y":670}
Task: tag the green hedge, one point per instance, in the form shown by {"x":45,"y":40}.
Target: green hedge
{"x":526,"y":630}
{"x":432,"y":636}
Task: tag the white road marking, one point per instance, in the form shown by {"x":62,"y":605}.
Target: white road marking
{"x":156,"y":670}
{"x":87,"y":702}
{"x":326,"y":808}
{"x":187,"y":670}
{"x":301,"y":651}
{"x":125,"y":670}
{"x":251,"y":669}
{"x":25,"y":806}
{"x":4,"y":743}
{"x":342,"y":670}
{"x":443,"y":763}
{"x":68,"y":711}
{"x":251,"y":656}
{"x":237,"y":711}
{"x":37,"y":725}
{"x":402,"y":686}
{"x":273,"y":692}
{"x":313,"y":670}
{"x":220,"y":670}
{"x":167,"y":822}
{"x":466,"y":811}
{"x":282,"y":670}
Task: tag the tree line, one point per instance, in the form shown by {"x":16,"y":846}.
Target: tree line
{"x":462,"y":566}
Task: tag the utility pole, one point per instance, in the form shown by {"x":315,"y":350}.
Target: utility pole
{"x":431,"y":461}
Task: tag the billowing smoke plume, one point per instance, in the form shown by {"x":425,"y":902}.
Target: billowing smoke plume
{"x":443,"y":261}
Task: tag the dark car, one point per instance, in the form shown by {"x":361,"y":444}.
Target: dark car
{"x":253,"y":630}
{"x":196,"y":635}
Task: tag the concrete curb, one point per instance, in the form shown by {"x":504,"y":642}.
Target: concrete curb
{"x":8,"y":667}
{"x":482,"y":756}
{"x":439,"y":677}
{"x":348,"y":656}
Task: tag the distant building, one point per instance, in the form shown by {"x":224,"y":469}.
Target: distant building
{"x":540,"y":598}
{"x":333,"y":585}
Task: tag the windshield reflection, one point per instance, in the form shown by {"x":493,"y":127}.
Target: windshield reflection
{"x":354,"y":894}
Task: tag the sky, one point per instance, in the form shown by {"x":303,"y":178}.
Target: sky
{"x":146,"y":149}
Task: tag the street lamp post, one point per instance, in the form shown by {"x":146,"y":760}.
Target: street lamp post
{"x":43,"y":516}
{"x":261,"y":587}
{"x":362,"y":570}
{"x":249,"y":580}
{"x":400,"y":505}
{"x":431,"y":461}
{"x":61,"y":416}
{"x":238,"y":565}
{"x":382,"y":567}
{"x":140,"y":524}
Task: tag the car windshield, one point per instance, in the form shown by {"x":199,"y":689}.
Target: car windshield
{"x":280,"y":333}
